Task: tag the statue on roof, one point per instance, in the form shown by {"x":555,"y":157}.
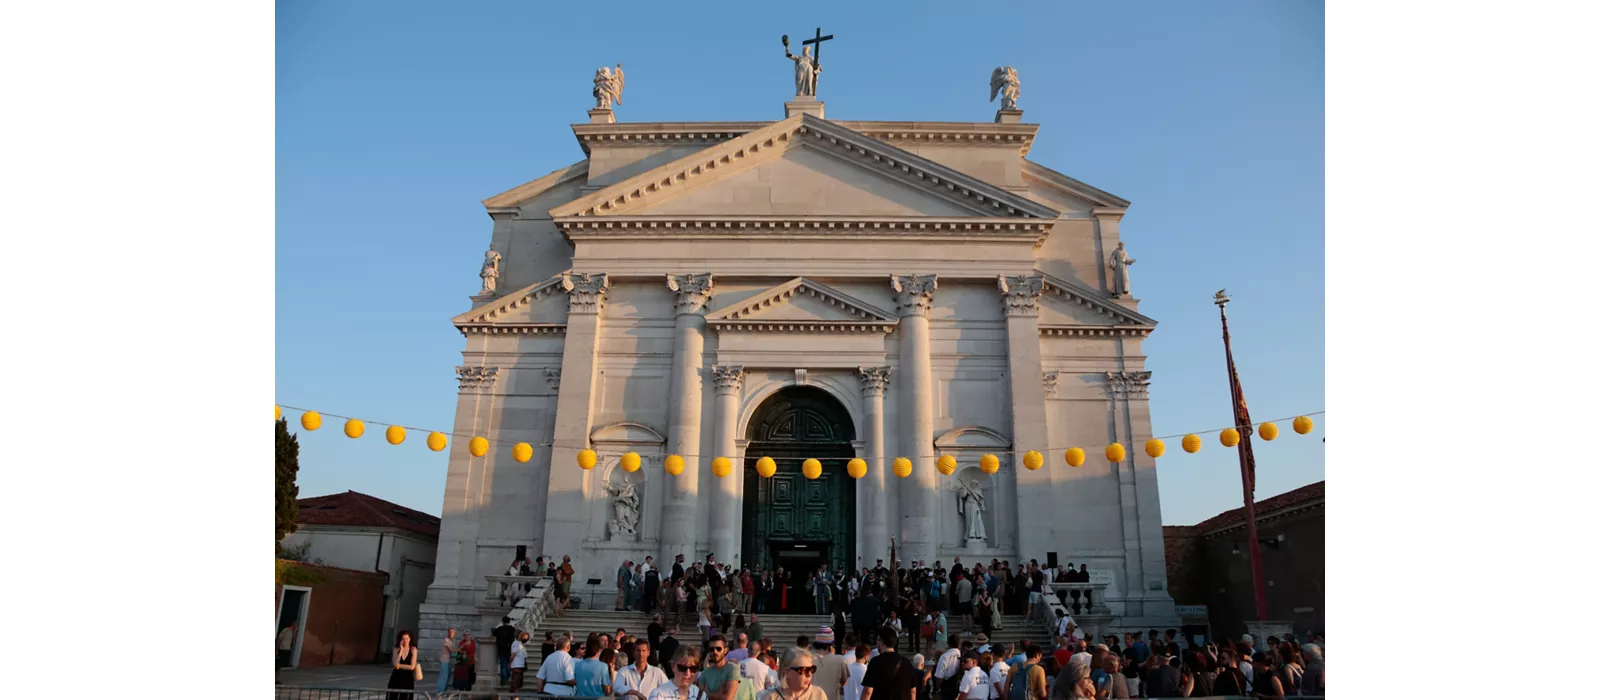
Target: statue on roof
{"x":607,"y":87}
{"x":490,"y":272}
{"x":1120,"y":262}
{"x":805,"y":70}
{"x":1003,"y":82}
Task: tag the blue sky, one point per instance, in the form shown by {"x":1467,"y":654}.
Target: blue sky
{"x":395,"y":119}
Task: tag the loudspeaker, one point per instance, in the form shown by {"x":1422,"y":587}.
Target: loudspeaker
{"x":522,"y":552}
{"x":1050,"y":559}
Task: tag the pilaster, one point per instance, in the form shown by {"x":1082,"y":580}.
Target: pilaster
{"x":918,"y":501}
{"x":1119,"y":387}
{"x":725,"y":508}
{"x":875,"y":539}
{"x":1133,"y":390}
{"x":565,"y":499}
{"x":693,"y":292}
{"x":1019,"y":295}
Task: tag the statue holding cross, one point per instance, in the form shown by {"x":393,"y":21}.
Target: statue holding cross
{"x":806,"y":67}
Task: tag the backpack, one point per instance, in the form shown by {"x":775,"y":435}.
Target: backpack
{"x":1019,"y":683}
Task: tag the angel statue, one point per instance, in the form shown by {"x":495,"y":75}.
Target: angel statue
{"x":490,"y":272}
{"x":1003,"y":82}
{"x":607,"y":87}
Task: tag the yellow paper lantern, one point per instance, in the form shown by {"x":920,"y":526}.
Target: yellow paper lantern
{"x":989,"y":464}
{"x":1075,"y":457}
{"x":1032,"y":460}
{"x":395,"y":434}
{"x":947,"y":465}
{"x":310,"y":420}
{"x":902,"y":467}
{"x":437,"y":441}
{"x":1155,"y":448}
{"x":1230,"y":437}
{"x":1268,"y":432}
{"x":721,"y":467}
{"x":766,"y":467}
{"x":354,"y":428}
{"x":478,"y":446}
{"x":673,"y":465}
{"x":586,"y":459}
{"x":522,"y":452}
{"x":1303,"y":425}
{"x":277,"y":412}
{"x":856,"y":468}
{"x":1115,"y":452}
{"x":630,"y":462}
{"x":811,"y":468}
{"x":1191,"y":443}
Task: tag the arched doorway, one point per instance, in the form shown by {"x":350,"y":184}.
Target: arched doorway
{"x":789,"y":520}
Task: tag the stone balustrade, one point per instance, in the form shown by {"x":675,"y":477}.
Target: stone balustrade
{"x":1082,"y":598}
{"x":505,"y":591}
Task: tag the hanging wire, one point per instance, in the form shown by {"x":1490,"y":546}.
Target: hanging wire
{"x":797,"y":460}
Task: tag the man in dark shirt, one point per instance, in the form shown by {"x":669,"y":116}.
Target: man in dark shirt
{"x":1163,"y":681}
{"x":504,"y":635}
{"x":677,"y":575}
{"x":889,"y":675}
{"x":654,"y":632}
{"x":652,"y":583}
{"x":668,"y":647}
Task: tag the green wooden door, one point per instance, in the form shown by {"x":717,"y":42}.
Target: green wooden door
{"x":788,"y":509}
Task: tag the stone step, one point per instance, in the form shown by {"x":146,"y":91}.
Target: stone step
{"x":782,"y":629}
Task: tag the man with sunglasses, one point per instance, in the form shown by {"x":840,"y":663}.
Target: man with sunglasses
{"x":685,"y":666}
{"x":720,"y":678}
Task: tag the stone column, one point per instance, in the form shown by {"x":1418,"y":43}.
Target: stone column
{"x":726,"y":501}
{"x":919,"y":493}
{"x":683,"y":426}
{"x":1143,"y":544}
{"x":1034,"y":517}
{"x":565,"y":502}
{"x":873,"y":381}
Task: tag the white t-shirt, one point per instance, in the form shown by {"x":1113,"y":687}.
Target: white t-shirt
{"x":997,"y":677}
{"x":629,"y":678}
{"x":975,"y":684}
{"x":758,"y":674}
{"x":519,"y":656}
{"x":852,"y":687}
{"x":668,"y":691}
{"x":557,"y":667}
{"x":949,"y":664}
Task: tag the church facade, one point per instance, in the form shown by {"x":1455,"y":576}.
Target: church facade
{"x":805,"y":288}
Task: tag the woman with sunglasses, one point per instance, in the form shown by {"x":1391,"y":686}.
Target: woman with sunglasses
{"x":683,"y":670}
{"x":795,"y":672}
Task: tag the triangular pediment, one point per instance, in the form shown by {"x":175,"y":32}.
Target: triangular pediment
{"x":1066,"y":304}
{"x":803,"y":304}
{"x":755,"y":173}
{"x":543,"y":304}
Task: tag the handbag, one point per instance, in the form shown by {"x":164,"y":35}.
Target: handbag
{"x":927,"y":628}
{"x":416,"y":673}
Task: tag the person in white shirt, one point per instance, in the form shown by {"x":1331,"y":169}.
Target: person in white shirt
{"x":755,"y":671}
{"x":637,"y":681}
{"x":685,"y":668}
{"x":974,"y":682}
{"x":555,"y":674}
{"x":519,"y":662}
{"x":948,"y":670}
{"x":999,"y":674}
{"x":857,"y":670}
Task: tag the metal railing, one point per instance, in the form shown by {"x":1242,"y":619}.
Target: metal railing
{"x":289,"y":692}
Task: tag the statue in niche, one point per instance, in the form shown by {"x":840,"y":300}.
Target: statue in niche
{"x":969,"y":503}
{"x":625,"y":501}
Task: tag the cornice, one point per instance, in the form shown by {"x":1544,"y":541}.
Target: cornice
{"x":788,"y":326}
{"x":486,"y":314}
{"x":661,"y":133}
{"x":976,"y":134}
{"x":512,"y":328}
{"x":1083,"y":296}
{"x":1077,"y":188}
{"x":1085,"y":331}
{"x":781,"y":294}
{"x":506,"y":201}
{"x":1032,"y":231}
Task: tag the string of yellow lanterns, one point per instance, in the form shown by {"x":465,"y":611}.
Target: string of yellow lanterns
{"x":766,"y":467}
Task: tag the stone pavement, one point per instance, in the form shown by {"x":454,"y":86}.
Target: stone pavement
{"x":355,"y":676}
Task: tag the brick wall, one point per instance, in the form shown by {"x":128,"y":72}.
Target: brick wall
{"x":345,"y":619}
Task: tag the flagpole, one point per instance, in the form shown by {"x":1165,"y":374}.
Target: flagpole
{"x":1247,"y":459}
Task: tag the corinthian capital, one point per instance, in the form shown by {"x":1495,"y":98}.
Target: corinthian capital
{"x":729,"y":378}
{"x":586,"y":291}
{"x":913,"y":294}
{"x":1133,"y":385}
{"x":693,"y":292}
{"x":1021,"y":294}
{"x":873,"y":380}
{"x":476,"y":379}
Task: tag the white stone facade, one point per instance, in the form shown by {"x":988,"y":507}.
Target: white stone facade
{"x":948,"y":292}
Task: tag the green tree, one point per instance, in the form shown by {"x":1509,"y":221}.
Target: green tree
{"x":288,"y":457}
